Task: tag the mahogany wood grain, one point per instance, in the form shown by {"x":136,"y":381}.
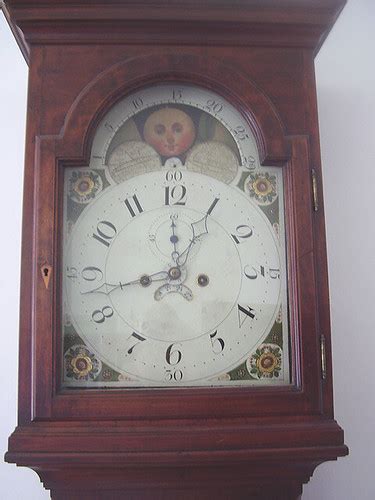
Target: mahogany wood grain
{"x":238,"y":443}
{"x":289,"y":23}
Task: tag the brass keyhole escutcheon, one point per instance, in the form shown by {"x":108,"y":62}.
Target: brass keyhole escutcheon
{"x":46,"y":271}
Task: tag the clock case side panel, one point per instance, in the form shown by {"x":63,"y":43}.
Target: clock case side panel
{"x":320,"y":247}
{"x":131,"y":431}
{"x":28,"y":254}
{"x":68,"y":148}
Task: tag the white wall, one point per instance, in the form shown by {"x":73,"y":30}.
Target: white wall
{"x":346,"y":92}
{"x":345,"y":70}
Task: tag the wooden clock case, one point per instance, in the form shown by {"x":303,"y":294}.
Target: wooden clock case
{"x":182,"y":443}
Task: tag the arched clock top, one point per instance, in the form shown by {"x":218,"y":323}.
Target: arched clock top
{"x":97,"y":99}
{"x":170,"y":163}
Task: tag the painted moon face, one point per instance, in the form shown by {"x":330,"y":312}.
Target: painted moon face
{"x":170,"y":131}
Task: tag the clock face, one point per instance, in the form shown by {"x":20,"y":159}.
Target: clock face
{"x":174,"y":262}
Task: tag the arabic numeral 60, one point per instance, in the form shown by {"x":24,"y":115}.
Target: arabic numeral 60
{"x":173,"y":175}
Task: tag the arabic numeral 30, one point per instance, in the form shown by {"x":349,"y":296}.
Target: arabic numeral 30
{"x":173,"y":375}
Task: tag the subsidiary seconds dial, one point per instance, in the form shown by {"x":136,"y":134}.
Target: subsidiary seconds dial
{"x":174,"y":277}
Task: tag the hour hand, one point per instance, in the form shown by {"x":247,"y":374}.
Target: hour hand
{"x":199,"y":228}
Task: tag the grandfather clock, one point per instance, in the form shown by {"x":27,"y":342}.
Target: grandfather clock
{"x":175,"y":336}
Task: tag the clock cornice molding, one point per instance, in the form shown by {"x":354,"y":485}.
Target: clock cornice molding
{"x":266,"y":23}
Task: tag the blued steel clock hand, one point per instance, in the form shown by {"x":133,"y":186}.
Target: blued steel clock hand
{"x":199,"y":228}
{"x":145,"y":280}
{"x":174,"y":239}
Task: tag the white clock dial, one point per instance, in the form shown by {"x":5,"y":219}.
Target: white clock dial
{"x":174,"y":274}
{"x":170,"y":264}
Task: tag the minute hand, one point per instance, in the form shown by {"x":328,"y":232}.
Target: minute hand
{"x":107,"y":288}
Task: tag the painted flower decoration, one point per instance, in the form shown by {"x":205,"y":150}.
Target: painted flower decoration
{"x":107,"y":374}
{"x":265,"y":362}
{"x":262,"y":188}
{"x":81,"y":364}
{"x":84,"y":186}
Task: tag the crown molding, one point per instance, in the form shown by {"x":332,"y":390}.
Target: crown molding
{"x":278,"y":23}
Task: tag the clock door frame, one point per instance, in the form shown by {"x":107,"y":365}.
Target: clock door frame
{"x":72,"y":148}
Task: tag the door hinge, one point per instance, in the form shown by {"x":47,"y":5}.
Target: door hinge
{"x":314,"y":182}
{"x":323,"y":356}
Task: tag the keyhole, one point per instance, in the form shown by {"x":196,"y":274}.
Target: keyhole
{"x":45,"y":271}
